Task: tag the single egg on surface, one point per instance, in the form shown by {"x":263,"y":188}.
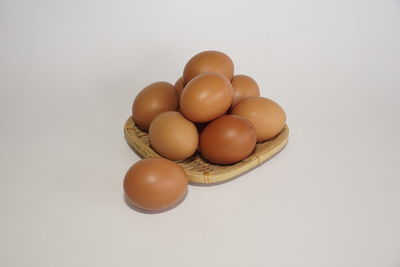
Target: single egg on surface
{"x":155,"y":184}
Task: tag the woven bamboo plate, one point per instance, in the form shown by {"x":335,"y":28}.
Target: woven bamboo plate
{"x":199,"y":170}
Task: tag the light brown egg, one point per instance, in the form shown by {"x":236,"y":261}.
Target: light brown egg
{"x":228,"y":139}
{"x":243,"y":87}
{"x":179,"y":86}
{"x":173,"y":136}
{"x":208,"y":61}
{"x":206,"y":97}
{"x":267,"y":116}
{"x":155,"y":184}
{"x":151,"y":101}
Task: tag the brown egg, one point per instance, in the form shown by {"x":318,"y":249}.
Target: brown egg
{"x":228,"y":139}
{"x":151,"y":101}
{"x":206,"y":97}
{"x":173,"y":136}
{"x":208,"y":61}
{"x":179,"y":86}
{"x":267,"y":116}
{"x":155,"y":184}
{"x":243,"y":87}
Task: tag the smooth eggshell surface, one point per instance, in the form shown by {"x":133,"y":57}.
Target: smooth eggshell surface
{"x":151,"y":101}
{"x":206,"y":97}
{"x":266,"y":115}
{"x":179,"y":86}
{"x":208,"y":61}
{"x":173,"y":136}
{"x":228,"y":139}
{"x":243,"y":87}
{"x":155,"y":184}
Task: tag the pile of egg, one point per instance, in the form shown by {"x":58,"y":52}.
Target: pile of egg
{"x":209,"y":110}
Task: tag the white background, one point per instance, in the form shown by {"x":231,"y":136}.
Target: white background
{"x":69,"y":71}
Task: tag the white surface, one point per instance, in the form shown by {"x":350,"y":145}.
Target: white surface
{"x":69,"y":71}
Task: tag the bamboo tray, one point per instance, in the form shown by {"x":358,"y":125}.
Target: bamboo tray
{"x":198,"y":169}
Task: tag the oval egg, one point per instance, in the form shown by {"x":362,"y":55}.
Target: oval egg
{"x":173,"y":136}
{"x":208,"y":61}
{"x":243,"y":87}
{"x":155,"y":184}
{"x":206,"y":97}
{"x":266,"y":115}
{"x":228,"y":139}
{"x":151,"y":101}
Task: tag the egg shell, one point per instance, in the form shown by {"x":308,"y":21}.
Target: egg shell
{"x":206,"y":97}
{"x":153,"y":100}
{"x":173,"y":136}
{"x":179,"y":86}
{"x":155,"y":184}
{"x":208,"y":61}
{"x":266,"y":115}
{"x":243,"y":87}
{"x":228,"y":139}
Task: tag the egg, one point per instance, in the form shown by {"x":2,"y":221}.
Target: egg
{"x":206,"y":97}
{"x":151,"y":101}
{"x":155,"y":184}
{"x":179,"y":86}
{"x":208,"y":61}
{"x":173,"y":136}
{"x":243,"y":86}
{"x":267,"y":116}
{"x":228,"y":139}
